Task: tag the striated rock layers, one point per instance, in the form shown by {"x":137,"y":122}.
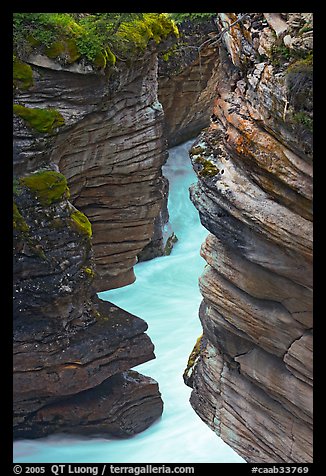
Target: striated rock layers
{"x":72,"y":351}
{"x":187,"y":81}
{"x":88,"y":152}
{"x":111,"y":149}
{"x":251,"y":373}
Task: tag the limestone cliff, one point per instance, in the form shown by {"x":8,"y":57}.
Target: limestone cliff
{"x":251,"y":372}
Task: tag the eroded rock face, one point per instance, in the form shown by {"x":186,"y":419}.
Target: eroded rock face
{"x":111,"y":149}
{"x":187,"y":83}
{"x":252,"y":375}
{"x":70,"y":348}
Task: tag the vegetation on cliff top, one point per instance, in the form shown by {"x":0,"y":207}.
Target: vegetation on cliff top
{"x":97,"y":37}
{"x":193,"y":17}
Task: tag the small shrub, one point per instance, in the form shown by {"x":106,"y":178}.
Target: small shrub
{"x":303,"y":119}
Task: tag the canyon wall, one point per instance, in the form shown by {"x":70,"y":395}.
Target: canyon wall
{"x":251,"y":371}
{"x":72,"y":352}
{"x":89,"y":201}
{"x":88,"y":185}
{"x":187,"y":82}
{"x":111,"y":150}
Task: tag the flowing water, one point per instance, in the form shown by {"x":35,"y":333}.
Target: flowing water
{"x":166,"y":295}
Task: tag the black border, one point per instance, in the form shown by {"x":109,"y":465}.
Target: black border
{"x":6,"y":172}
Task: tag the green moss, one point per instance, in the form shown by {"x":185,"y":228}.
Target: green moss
{"x":196,"y":150}
{"x":72,"y":50}
{"x":32,"y":41}
{"x":48,"y":186}
{"x":208,"y":169}
{"x":22,"y":74}
{"x":55,"y":49}
{"x":89,"y":272}
{"x":100,"y":60}
{"x":65,"y":48}
{"x":41,"y":120}
{"x":303,"y":119}
{"x":152,"y":26}
{"x":193,"y":357}
{"x":18,"y":221}
{"x":81,"y":223}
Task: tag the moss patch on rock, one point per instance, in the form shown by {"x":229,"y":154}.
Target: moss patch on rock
{"x":197,"y":149}
{"x":208,"y":169}
{"x":89,"y":272}
{"x":192,"y":360}
{"x":151,"y":26}
{"x":47,"y":186}
{"x":104,"y":59}
{"x":66,"y":49}
{"x":22,"y":74}
{"x":98,"y":37}
{"x":81,"y":223}
{"x":41,"y":120}
{"x":169,"y":244}
{"x":19,"y":223}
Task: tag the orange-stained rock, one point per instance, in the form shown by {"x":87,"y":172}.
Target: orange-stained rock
{"x":252,"y":380}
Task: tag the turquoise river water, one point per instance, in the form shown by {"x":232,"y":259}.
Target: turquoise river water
{"x":167,"y":296}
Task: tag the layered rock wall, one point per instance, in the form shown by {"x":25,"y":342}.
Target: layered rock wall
{"x":251,"y":374}
{"x":111,"y":149}
{"x":85,"y":140}
{"x":187,"y":81}
{"x":72,"y":351}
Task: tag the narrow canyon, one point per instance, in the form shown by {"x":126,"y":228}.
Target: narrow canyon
{"x":91,"y":136}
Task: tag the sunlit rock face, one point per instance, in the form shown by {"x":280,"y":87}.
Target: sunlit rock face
{"x":111,"y":149}
{"x":252,"y":376}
